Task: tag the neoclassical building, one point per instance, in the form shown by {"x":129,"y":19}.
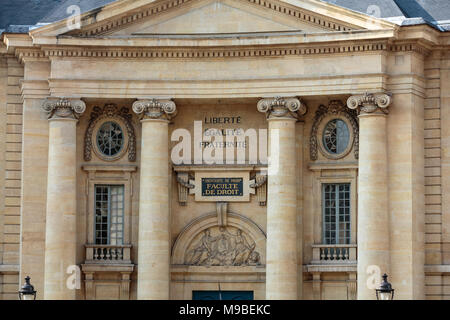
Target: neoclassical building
{"x":261,"y":149}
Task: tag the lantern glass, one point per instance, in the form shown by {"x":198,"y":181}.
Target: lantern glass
{"x":28,"y":297}
{"x":385,"y":296}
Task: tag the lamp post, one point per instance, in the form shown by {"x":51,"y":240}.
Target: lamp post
{"x":385,"y":292}
{"x":27,"y":292}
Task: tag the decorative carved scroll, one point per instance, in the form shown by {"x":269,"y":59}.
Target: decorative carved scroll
{"x":183,"y":187}
{"x":260,"y":184}
{"x":155,"y":109}
{"x":335,"y":107}
{"x":279,"y":107}
{"x":370,"y":103}
{"x":62,"y":108}
{"x":223,"y":246}
{"x":113,"y":112}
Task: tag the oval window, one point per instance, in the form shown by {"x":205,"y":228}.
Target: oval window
{"x":110,"y":139}
{"x":336,"y":136}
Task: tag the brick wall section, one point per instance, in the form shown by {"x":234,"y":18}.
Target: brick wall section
{"x":12,"y":191}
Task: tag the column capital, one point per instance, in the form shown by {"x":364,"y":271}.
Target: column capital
{"x":282,"y":108}
{"x":368,"y":103}
{"x":155,"y":109}
{"x":63,"y":108}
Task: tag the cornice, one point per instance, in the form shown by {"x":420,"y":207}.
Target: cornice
{"x":415,"y":46}
{"x":156,"y":8}
{"x":223,"y":52}
{"x":45,"y":53}
{"x":30,"y":54}
{"x":228,"y":52}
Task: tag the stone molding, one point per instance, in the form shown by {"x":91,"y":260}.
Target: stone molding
{"x":369,"y":103}
{"x":136,"y":16}
{"x":338,"y":109}
{"x":62,"y":108}
{"x":155,"y":109}
{"x":282,"y":108}
{"x":179,"y":52}
{"x":110,"y":111}
{"x":223,"y":52}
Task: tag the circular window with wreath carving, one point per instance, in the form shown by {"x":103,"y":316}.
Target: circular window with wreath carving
{"x":337,"y":137}
{"x":111,"y":140}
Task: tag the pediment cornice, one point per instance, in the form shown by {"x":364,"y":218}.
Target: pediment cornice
{"x":122,"y":14}
{"x":302,"y":15}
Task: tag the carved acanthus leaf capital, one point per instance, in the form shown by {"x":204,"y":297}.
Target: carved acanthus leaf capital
{"x":370,"y":103}
{"x":155,"y":109}
{"x":279,"y":107}
{"x":62,"y":108}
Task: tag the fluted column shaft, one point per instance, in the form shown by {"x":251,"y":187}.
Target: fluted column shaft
{"x":281,"y":264}
{"x":60,"y":235}
{"x":373,"y":209}
{"x":154,"y":216}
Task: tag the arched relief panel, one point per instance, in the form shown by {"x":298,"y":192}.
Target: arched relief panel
{"x":203,"y":242}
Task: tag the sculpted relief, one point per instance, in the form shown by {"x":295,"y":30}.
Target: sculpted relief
{"x":222,"y":246}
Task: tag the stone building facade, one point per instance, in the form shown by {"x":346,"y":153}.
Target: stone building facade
{"x":113,"y":135}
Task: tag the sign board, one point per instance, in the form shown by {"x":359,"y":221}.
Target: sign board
{"x":229,"y":186}
{"x":222,"y":187}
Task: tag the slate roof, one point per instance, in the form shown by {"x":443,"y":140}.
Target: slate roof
{"x":17,"y":16}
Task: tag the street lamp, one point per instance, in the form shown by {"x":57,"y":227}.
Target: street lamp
{"x":27,"y":292}
{"x":385,"y":292}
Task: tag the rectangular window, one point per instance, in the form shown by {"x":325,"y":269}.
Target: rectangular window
{"x":336,"y":213}
{"x":109,"y":214}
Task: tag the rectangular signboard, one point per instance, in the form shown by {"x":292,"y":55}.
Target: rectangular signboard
{"x":222,"y":187}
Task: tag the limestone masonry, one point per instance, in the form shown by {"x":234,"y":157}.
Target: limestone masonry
{"x":266,"y":149}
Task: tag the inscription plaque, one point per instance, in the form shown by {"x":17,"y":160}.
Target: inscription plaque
{"x":222,"y":187}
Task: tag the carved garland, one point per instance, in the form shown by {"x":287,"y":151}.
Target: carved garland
{"x":335,"y":107}
{"x":110,"y":111}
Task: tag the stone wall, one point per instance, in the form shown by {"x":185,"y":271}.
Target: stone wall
{"x":437,"y":135}
{"x":11,"y":72}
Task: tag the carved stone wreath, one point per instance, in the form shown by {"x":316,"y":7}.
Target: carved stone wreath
{"x":110,"y":112}
{"x":339,"y":110}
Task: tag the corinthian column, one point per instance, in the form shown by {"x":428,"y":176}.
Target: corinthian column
{"x":154,"y":236}
{"x":373,"y":214}
{"x":60,"y":229}
{"x":281,"y":264}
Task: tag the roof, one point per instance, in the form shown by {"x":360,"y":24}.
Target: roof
{"x":17,"y":16}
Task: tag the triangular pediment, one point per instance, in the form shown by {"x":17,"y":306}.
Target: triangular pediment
{"x":163,"y":17}
{"x":214,"y":17}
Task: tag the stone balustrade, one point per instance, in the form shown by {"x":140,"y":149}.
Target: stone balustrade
{"x":108,"y":254}
{"x":334,"y":253}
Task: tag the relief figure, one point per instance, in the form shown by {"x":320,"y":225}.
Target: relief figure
{"x":225,"y":249}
